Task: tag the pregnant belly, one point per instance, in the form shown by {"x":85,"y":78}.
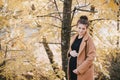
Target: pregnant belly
{"x":73,"y":63}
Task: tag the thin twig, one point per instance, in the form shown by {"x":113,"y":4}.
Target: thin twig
{"x":12,"y":39}
{"x":83,"y":6}
{"x":50,"y":42}
{"x":44,"y":6}
{"x":73,"y":14}
{"x":50,"y":15}
{"x":62,"y":0}
{"x":98,"y":19}
{"x":86,"y":10}
{"x":57,"y":9}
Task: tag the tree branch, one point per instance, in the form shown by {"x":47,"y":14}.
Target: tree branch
{"x":86,"y":10}
{"x":50,"y":15}
{"x":83,"y":6}
{"x":98,"y":19}
{"x":73,"y":14}
{"x":57,"y":8}
{"x":11,"y":50}
{"x":44,"y":6}
{"x":12,"y":39}
{"x":49,"y":42}
{"x":62,"y":0}
{"x":51,"y":57}
{"x":76,"y":8}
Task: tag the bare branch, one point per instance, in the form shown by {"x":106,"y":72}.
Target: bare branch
{"x":86,"y":10}
{"x":76,"y":8}
{"x":49,"y":42}
{"x":73,"y":25}
{"x":57,"y":9}
{"x":51,"y":57}
{"x":73,"y":14}
{"x":12,"y":50}
{"x":92,"y":21}
{"x":83,"y":6}
{"x":44,"y":5}
{"x":50,"y":15}
{"x":12,"y":39}
{"x":98,"y":19}
{"x":15,"y":50}
{"x":62,"y":0}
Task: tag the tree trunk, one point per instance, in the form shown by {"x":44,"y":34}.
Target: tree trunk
{"x":65,"y":32}
{"x":50,"y":57}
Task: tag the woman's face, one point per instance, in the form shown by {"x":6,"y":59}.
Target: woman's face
{"x":81,"y":28}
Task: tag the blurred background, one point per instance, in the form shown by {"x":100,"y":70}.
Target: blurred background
{"x":35,"y":35}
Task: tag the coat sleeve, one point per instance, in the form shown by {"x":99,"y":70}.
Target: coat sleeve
{"x":91,"y":53}
{"x":68,"y":53}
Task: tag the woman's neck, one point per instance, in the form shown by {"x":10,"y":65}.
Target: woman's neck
{"x":80,"y":36}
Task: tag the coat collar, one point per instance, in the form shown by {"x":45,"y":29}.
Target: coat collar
{"x":83,"y":43}
{"x":85,"y":37}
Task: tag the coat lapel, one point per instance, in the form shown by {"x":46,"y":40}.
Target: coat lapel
{"x":83,"y":43}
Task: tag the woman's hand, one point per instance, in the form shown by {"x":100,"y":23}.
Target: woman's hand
{"x":73,"y":53}
{"x":75,"y":71}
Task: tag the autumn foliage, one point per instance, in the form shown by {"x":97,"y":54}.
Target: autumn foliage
{"x":30,"y":38}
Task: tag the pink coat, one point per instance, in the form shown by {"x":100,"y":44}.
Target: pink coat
{"x":84,"y":66}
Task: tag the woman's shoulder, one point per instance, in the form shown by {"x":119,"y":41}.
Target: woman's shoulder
{"x":90,"y":40}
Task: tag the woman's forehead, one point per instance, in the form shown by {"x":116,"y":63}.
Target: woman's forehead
{"x":82,"y":25}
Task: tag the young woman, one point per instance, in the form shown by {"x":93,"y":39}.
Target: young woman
{"x":81,"y":53}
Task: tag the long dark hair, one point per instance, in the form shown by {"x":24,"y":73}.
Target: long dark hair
{"x":83,"y":20}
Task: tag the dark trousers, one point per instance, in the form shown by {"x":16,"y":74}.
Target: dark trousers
{"x":72,"y":66}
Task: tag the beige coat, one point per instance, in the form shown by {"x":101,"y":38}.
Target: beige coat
{"x":84,"y":66}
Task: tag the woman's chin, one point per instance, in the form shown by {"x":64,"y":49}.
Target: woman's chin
{"x":81,"y":34}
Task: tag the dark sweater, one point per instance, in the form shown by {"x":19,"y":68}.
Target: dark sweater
{"x":73,"y":60}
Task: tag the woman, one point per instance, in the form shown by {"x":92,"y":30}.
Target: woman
{"x":81,"y":53}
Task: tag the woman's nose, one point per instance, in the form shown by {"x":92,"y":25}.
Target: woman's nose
{"x":80,"y":30}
